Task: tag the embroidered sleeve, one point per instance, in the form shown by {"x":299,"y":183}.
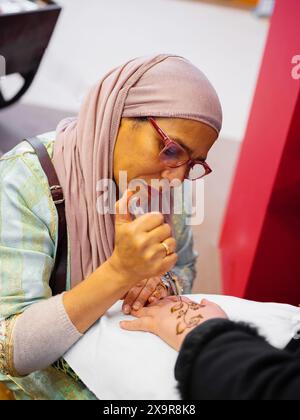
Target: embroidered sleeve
{"x":27,"y":247}
{"x":6,"y":346}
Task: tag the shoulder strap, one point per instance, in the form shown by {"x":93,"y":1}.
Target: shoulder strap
{"x":59,"y":274}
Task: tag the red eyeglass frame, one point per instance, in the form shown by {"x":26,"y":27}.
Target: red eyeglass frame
{"x":167,"y":141}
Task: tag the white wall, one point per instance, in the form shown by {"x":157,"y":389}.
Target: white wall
{"x":95,"y":35}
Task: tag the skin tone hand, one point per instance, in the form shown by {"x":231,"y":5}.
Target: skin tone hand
{"x":146,"y":291}
{"x":138,"y":250}
{"x":138,"y":254}
{"x":173,"y":318}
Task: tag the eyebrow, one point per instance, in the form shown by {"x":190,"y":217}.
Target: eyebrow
{"x":181,"y":142}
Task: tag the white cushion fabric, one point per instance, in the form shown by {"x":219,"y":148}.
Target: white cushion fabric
{"x":117,"y":364}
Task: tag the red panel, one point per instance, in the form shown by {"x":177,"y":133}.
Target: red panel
{"x":260,"y":242}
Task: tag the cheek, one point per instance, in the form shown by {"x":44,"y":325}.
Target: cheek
{"x":147,"y":170}
{"x":139,"y":160}
{"x":144,"y":168}
{"x":147,"y":161}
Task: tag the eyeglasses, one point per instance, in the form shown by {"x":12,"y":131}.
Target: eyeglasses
{"x":174,"y":155}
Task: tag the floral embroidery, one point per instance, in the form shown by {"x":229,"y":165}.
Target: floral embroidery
{"x":62,"y":366}
{"x":6,"y":346}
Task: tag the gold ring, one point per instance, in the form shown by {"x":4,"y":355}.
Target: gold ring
{"x":168,"y":251}
{"x":159,"y":289}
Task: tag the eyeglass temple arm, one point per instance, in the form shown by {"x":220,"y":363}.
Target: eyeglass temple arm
{"x":160,"y":131}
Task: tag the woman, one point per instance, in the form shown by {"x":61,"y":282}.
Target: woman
{"x":110,"y":257}
{"x":220,"y":359}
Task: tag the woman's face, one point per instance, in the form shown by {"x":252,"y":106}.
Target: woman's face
{"x":138,"y":146}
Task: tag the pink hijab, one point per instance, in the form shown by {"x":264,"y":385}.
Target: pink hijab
{"x":159,"y":86}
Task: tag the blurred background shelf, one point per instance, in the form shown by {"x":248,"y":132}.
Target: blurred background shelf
{"x":244,"y":4}
{"x":24,"y":37}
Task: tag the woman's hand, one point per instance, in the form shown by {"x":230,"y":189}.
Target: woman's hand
{"x":145,"y":291}
{"x":173,"y":318}
{"x":138,"y":252}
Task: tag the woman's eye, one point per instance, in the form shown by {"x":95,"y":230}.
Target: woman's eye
{"x":171,"y":151}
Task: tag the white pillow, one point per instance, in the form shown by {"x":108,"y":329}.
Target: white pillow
{"x":117,"y":364}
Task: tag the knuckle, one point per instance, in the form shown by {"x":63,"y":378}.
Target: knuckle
{"x":168,"y":229}
{"x":150,"y":255}
{"x":142,"y":241}
{"x":132,"y":295}
{"x":138,"y":242}
{"x":175,"y":257}
{"x":173,"y":243}
{"x":154,"y":281}
{"x":158,"y":216}
{"x":130,"y":229}
{"x":126,"y":230}
{"x":150,"y":325}
{"x":141,"y":284}
{"x":149,"y":288}
{"x":143,"y":296}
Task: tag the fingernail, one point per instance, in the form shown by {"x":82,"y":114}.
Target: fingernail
{"x":127,"y":309}
{"x":136,"y":306}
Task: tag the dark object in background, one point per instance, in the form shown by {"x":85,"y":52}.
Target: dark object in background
{"x":24,"y":38}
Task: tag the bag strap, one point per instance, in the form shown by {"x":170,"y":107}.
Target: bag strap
{"x":59,"y":274}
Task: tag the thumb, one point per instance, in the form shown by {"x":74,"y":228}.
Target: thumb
{"x":122,"y":213}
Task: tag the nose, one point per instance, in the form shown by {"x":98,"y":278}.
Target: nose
{"x":175,"y":173}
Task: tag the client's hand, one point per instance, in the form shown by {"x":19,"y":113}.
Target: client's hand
{"x":173,"y":318}
{"x":145,"y":291}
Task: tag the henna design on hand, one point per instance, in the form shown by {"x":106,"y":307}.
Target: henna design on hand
{"x":182,"y":310}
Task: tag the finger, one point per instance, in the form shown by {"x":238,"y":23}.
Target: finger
{"x":167,"y":263}
{"x":121,"y":209}
{"x":149,"y":221}
{"x":131,"y":297}
{"x":206,"y":302}
{"x":153,"y":300}
{"x":142,"y":324}
{"x":158,"y":295}
{"x":160,"y":292}
{"x":160,"y":233}
{"x":170,"y":242}
{"x":144,"y":295}
{"x":162,"y":302}
{"x":172,"y":299}
{"x":143,"y":312}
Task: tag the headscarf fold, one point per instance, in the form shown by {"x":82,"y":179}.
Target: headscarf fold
{"x":159,"y":86}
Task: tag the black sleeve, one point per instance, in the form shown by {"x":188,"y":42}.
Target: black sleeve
{"x":223,"y":360}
